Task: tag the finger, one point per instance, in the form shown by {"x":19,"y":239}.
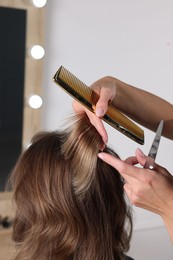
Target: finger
{"x":122,"y":167}
{"x":132,"y":175}
{"x":129,"y":172}
{"x":162,"y":170}
{"x":141,"y":157}
{"x":95,"y":121}
{"x":106,"y":96}
{"x":131,"y":160}
{"x":77,"y":106}
{"x":98,"y":124}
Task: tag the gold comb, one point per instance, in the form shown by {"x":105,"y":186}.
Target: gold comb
{"x":88,"y":98}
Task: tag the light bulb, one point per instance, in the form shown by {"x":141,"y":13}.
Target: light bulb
{"x":35,"y":101}
{"x":37,"y":52}
{"x":39,"y":3}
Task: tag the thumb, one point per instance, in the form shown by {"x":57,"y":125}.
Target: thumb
{"x":141,"y":157}
{"x":101,"y":106}
{"x":106,"y":95}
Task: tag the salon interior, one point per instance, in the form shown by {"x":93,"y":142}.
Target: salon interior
{"x":131,"y":40}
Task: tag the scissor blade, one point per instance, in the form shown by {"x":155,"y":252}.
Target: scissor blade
{"x":154,"y":147}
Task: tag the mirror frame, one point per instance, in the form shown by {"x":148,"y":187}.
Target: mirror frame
{"x":33,"y":68}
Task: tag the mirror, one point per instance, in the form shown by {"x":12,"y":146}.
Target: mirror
{"x":21,"y":27}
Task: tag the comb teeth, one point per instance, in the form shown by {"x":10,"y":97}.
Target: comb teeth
{"x":87,"y":97}
{"x":74,"y":86}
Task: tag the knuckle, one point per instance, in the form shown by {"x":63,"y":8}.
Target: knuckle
{"x":135,"y":200}
{"x":149,"y":178}
{"x":123,"y":168}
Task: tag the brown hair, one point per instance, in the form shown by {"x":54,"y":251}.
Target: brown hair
{"x":70,"y":204}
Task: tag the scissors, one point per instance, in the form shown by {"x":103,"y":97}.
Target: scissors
{"x":154,"y":148}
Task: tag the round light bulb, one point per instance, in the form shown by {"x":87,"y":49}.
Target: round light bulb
{"x":35,"y":101}
{"x":37,"y":52}
{"x":39,"y":3}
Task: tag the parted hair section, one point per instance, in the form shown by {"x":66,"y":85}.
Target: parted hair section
{"x":70,"y":205}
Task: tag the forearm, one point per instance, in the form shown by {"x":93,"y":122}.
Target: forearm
{"x":145,"y":108}
{"x":169,"y":225}
{"x":166,"y":211}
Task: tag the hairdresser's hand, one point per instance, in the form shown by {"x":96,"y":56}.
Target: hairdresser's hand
{"x":148,"y":189}
{"x":106,"y":89}
{"x":95,"y":120}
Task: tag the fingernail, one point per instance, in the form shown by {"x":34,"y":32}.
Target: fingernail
{"x":140,"y":152}
{"x":99,"y":112}
{"x":100,"y":155}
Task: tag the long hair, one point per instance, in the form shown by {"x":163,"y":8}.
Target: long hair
{"x":69,"y":203}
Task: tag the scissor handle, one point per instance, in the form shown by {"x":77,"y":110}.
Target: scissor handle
{"x":149,"y":164}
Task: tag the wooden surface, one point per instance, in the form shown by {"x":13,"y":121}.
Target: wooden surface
{"x":33,"y":68}
{"x":7,"y":248}
{"x":7,"y":209}
{"x":31,"y":119}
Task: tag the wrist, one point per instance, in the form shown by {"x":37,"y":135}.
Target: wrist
{"x":168,"y":221}
{"x":118,"y":94}
{"x":121,"y":99}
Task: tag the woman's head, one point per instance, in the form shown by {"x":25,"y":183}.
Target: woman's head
{"x":70,"y":204}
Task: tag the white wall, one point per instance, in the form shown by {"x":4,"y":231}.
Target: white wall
{"x":133,"y":41}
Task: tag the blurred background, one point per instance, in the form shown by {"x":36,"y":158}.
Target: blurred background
{"x":130,"y":40}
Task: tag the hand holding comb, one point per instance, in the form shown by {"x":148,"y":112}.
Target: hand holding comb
{"x":88,"y":98}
